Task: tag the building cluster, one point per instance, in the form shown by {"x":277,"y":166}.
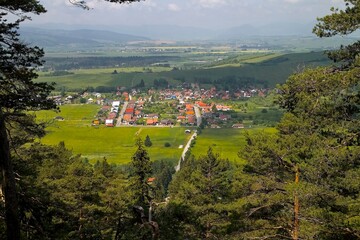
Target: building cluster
{"x":113,"y":113}
{"x":205,"y":94}
{"x":183,"y":102}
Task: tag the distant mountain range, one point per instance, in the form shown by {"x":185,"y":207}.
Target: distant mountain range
{"x":59,"y":35}
{"x":81,"y":37}
{"x":173,"y":32}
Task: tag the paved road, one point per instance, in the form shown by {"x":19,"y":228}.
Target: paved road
{"x":121,"y":114}
{"x":177,"y":168}
{"x":198,"y":115}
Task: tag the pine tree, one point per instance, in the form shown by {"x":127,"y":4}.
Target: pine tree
{"x":148,"y":142}
{"x":141,"y":165}
{"x":203,"y":187}
{"x":18,"y":95}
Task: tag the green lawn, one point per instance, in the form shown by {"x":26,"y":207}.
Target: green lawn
{"x":227,"y":142}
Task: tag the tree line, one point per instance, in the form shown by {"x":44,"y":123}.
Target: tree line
{"x":62,"y":64}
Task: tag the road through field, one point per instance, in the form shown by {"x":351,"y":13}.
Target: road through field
{"x":177,"y":168}
{"x":121,"y":114}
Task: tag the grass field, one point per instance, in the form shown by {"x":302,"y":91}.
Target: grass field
{"x":84,"y":78}
{"x":226,"y":142}
{"x":116,"y":144}
{"x":271,"y":68}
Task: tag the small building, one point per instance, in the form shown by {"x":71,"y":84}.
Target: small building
{"x":181,"y":118}
{"x":109,"y":122}
{"x":166,"y":122}
{"x":112,"y":115}
{"x":238,"y":125}
{"x":130,"y":110}
{"x":191,"y":119}
{"x":127,"y":118}
{"x":95,"y":122}
{"x":151,"y":122}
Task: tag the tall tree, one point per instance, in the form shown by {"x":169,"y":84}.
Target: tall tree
{"x":19,"y":94}
{"x":202,"y":187}
{"x":136,"y":223}
{"x":301,"y":175}
{"x":341,"y":22}
{"x":141,"y":165}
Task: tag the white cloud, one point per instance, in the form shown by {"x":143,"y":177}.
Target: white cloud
{"x":211,"y":3}
{"x":291,"y":1}
{"x":174,"y":7}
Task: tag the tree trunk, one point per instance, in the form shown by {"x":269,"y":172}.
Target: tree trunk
{"x":296,"y":206}
{"x":8,"y":185}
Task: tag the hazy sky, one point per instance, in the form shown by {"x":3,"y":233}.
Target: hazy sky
{"x":197,"y":13}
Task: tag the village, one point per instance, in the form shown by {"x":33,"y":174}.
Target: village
{"x":191,"y":107}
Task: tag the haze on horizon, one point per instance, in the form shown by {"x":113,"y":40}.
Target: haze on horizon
{"x":209,"y":14}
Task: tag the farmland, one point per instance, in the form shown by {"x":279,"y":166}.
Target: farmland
{"x":116,"y":144}
{"x":226,"y":142}
{"x":260,"y":68}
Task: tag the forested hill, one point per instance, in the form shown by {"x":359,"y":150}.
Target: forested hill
{"x":83,"y":37}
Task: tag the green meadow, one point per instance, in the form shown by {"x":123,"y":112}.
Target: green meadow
{"x":227,"y":142}
{"x":116,"y":144}
{"x":83,"y":78}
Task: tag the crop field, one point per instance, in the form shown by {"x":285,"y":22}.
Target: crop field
{"x":266,"y":67}
{"x":245,"y":57}
{"x":83,"y":78}
{"x":227,"y":142}
{"x":116,"y":144}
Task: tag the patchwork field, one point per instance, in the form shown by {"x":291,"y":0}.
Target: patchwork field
{"x":269,"y":68}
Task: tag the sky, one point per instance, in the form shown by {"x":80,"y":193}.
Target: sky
{"x":210,"y":14}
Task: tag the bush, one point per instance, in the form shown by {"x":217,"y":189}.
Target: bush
{"x":167,"y":144}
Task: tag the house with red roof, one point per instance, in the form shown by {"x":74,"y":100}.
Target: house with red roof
{"x":152,"y":122}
